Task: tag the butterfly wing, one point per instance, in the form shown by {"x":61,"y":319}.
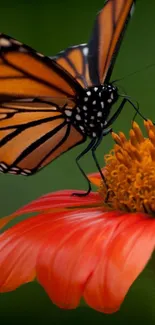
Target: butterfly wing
{"x":34,"y":91}
{"x":24,"y":73}
{"x":107,"y":34}
{"x":32,"y":134}
{"x":75,"y":61}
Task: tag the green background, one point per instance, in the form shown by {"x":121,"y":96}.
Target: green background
{"x":51,"y":26}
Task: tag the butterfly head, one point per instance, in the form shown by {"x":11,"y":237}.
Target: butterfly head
{"x":109,"y":93}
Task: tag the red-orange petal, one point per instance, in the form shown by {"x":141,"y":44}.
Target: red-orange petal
{"x":60,"y":200}
{"x":124,"y":258}
{"x":19,"y":248}
{"x":71,"y":254}
{"x":95,"y":178}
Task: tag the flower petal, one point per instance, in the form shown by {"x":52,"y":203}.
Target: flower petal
{"x":20,"y":245}
{"x":18,"y":252}
{"x":71,"y":254}
{"x":95,"y":178}
{"x":57,"y":201}
{"x":64,"y":247}
{"x":124,"y":258}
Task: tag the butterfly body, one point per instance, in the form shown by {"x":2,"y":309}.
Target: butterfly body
{"x":92,"y":109}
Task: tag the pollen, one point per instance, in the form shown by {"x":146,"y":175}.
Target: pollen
{"x":130,"y":171}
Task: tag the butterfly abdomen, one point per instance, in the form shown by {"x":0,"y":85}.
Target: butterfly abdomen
{"x":92,"y":109}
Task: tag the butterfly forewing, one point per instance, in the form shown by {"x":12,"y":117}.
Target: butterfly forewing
{"x":25,"y":73}
{"x":107,"y":34}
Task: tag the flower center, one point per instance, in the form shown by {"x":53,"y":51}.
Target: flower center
{"x":130,"y":171}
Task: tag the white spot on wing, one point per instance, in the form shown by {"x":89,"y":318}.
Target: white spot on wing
{"x":72,"y":47}
{"x":94,"y":102}
{"x":23,"y":173}
{"x":132,"y":10}
{"x":40,"y":54}
{"x":27,"y":171}
{"x":85,"y":99}
{"x":23,"y":49}
{"x":4,"y":42}
{"x":14,"y":41}
{"x":15,"y":169}
{"x":3,"y":166}
{"x":89,"y":93}
{"x":85,"y":51}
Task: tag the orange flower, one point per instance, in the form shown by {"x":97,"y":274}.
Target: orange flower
{"x":84,"y":247}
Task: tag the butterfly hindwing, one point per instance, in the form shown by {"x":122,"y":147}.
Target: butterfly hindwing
{"x":32,"y":135}
{"x":75,"y":60}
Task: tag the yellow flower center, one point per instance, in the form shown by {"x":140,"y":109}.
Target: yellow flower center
{"x":130,"y":171}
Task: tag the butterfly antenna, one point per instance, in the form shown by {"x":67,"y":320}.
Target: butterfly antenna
{"x":136,"y":107}
{"x":133,"y":73}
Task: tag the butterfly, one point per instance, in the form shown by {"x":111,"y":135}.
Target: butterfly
{"x":49,"y":105}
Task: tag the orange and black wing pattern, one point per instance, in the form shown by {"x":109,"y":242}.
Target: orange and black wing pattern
{"x":24,"y":73}
{"x":75,"y":61}
{"x":34,"y":92}
{"x":107,"y":34}
{"x":32,"y":134}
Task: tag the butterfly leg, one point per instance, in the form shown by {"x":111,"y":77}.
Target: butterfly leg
{"x":136,"y":108}
{"x":105,"y":132}
{"x":82,"y":154}
{"x":125,"y":100}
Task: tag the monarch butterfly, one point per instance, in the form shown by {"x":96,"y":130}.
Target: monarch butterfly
{"x":50,"y":105}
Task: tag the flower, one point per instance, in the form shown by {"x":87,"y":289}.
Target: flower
{"x":91,"y":247}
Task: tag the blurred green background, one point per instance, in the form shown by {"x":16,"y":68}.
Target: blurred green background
{"x":51,"y":26}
